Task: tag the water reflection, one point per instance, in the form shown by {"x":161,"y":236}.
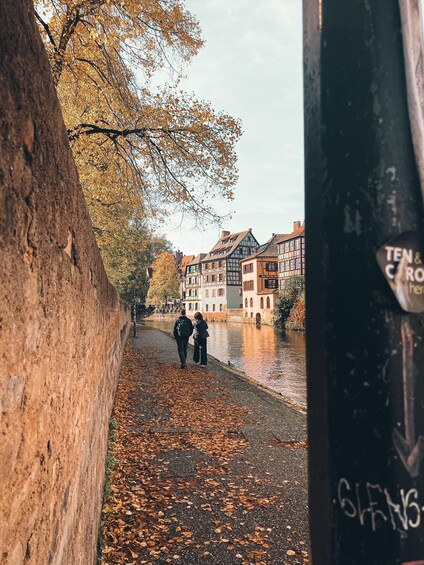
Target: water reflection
{"x":270,"y":356}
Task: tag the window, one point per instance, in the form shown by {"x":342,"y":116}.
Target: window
{"x":262,"y":302}
{"x":206,"y":278}
{"x":245,"y":302}
{"x":220,"y":277}
{"x":271,"y":283}
{"x":292,"y":245}
{"x":268,"y":302}
{"x":248,"y":268}
{"x":197,"y":305}
{"x":213,"y":307}
{"x":271,"y":267}
{"x":248,"y":285}
{"x":220,"y":292}
{"x":233,"y":278}
{"x":251,"y":314}
{"x":220,"y":307}
{"x":207,"y":307}
{"x":233,"y":264}
{"x":206,"y":293}
{"x":281,"y":265}
{"x":220,"y":264}
{"x":292,"y":264}
{"x":213,"y":278}
{"x":251,"y":302}
{"x":297,"y":243}
{"x":190,"y":306}
{"x":213,"y":293}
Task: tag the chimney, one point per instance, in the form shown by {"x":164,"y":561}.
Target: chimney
{"x":296,"y":225}
{"x":224,"y":234}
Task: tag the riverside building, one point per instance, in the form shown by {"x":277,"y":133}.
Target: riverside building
{"x":182,"y":262}
{"x":260,"y":282}
{"x":192,"y":298}
{"x":291,"y":255}
{"x":221,"y":273}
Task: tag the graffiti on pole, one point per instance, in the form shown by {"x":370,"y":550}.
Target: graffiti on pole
{"x":409,"y":448}
{"x":401,"y":262}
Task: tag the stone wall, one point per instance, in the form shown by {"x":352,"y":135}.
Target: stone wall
{"x":61,"y":326}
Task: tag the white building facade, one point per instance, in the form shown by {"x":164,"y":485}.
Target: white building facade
{"x":193,"y":285}
{"x":221,"y":272}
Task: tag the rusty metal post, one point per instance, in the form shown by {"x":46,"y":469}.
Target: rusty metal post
{"x":364,"y":289}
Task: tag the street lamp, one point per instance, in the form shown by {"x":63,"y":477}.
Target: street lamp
{"x":133,"y":280}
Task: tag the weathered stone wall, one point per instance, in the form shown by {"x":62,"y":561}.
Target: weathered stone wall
{"x":61,"y":326}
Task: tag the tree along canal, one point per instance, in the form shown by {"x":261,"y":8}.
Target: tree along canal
{"x":268,"y":355}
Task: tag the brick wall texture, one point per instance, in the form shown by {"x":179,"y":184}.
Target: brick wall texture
{"x":61,"y":325}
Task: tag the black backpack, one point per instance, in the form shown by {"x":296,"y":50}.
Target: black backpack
{"x":184,"y":327}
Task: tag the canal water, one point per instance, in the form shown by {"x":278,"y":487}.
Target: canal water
{"x":268,"y":355}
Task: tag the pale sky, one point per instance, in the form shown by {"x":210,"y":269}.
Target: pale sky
{"x":251,"y":67}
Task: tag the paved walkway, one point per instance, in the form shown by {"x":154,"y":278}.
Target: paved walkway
{"x":210,"y":467}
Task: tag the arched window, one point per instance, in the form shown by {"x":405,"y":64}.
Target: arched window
{"x":251,"y":302}
{"x":262,"y":302}
{"x":245,"y":302}
{"x":268,"y":302}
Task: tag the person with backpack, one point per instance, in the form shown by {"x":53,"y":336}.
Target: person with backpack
{"x":200,"y":337}
{"x":183,"y":328}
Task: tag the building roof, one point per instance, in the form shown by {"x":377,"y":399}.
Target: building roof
{"x":226,"y":245}
{"x":198,"y":258}
{"x":268,"y":249}
{"x":296,"y":233}
{"x":185,"y":260}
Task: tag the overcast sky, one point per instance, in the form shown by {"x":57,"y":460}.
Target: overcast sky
{"x":251,"y":67}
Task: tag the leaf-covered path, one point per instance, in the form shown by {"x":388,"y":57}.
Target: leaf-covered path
{"x":210,"y":468}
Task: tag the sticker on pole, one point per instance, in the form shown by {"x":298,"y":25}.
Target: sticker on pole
{"x":401,"y":261}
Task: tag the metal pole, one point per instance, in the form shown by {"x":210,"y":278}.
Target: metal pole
{"x":134,"y":317}
{"x":365,"y":353}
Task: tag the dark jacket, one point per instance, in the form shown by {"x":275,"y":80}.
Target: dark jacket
{"x":200,"y":329}
{"x":177,"y":322}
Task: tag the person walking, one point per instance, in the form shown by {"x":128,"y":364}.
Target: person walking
{"x":200,"y":337}
{"x":183,"y":328}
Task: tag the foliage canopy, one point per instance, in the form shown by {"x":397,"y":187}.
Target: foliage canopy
{"x":156,"y":150}
{"x":290,"y":308}
{"x":164,"y":285}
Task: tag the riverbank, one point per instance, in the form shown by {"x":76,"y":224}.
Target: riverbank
{"x":271,"y":357}
{"x":242,"y":375}
{"x":210,"y":467}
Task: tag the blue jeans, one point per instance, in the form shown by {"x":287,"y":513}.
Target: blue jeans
{"x":182,"y":343}
{"x":200,"y":351}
